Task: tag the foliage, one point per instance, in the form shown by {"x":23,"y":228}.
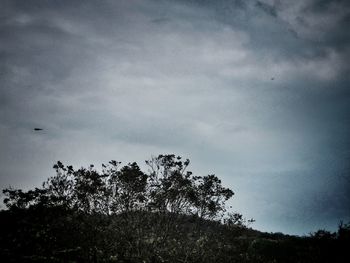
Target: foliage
{"x":122,"y":214}
{"x":237,"y":219}
{"x":167,"y":188}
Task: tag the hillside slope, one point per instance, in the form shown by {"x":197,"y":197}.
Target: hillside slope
{"x":56,"y":234}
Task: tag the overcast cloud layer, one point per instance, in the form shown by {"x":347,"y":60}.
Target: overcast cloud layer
{"x":256,"y":92}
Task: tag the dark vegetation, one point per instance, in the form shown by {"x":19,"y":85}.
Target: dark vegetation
{"x":123,"y":214}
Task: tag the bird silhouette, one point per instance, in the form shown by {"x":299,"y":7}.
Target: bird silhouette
{"x":38,"y":129}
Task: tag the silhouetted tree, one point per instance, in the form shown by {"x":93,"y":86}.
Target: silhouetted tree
{"x":169,"y":184}
{"x":211,"y":196}
{"x":60,"y":188}
{"x":130,"y":188}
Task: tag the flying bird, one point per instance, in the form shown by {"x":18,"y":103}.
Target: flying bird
{"x":38,"y":129}
{"x":272,"y":78}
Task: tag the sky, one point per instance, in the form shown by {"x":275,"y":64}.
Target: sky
{"x":256,"y":92}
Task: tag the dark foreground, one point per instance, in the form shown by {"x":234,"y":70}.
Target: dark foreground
{"x":41,"y":234}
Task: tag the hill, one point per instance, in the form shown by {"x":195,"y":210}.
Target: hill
{"x":126,"y":215}
{"x":56,"y":234}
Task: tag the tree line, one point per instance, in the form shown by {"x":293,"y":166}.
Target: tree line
{"x":119,"y":214}
{"x":123,"y":214}
{"x":167,"y":187}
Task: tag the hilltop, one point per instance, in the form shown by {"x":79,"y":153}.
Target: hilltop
{"x":125,"y":215}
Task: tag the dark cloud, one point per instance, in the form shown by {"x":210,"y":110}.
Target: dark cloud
{"x":271,"y":10}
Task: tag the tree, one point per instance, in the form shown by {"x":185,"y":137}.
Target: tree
{"x":237,"y":219}
{"x":89,"y":191}
{"x":60,"y":188}
{"x":17,"y":199}
{"x":211,"y":196}
{"x":130,"y":188}
{"x":171,"y":186}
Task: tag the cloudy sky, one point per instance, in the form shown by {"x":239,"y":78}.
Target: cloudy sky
{"x":256,"y":92}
